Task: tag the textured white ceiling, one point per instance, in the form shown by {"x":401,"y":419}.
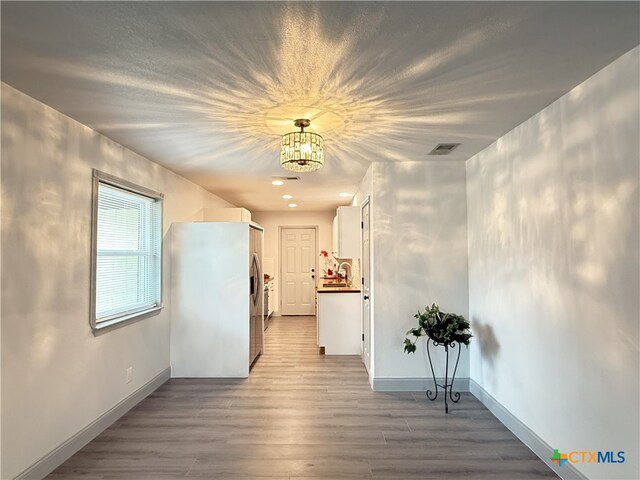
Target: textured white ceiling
{"x":205,"y":88}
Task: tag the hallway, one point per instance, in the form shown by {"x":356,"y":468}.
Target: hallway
{"x":301,"y":415}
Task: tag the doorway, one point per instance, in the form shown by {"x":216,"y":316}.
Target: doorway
{"x":298,"y":258}
{"x":366,"y":286}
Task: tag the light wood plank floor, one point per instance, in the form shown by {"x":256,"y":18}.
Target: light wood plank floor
{"x":301,"y":415}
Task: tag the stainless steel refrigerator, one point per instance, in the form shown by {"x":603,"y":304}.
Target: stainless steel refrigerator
{"x":217,"y":291}
{"x":256,"y":292}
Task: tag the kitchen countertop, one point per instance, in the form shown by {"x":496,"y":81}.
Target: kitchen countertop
{"x":338,"y":290}
{"x":321,"y":289}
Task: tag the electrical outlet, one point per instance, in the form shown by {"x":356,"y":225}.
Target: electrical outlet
{"x":129,"y":374}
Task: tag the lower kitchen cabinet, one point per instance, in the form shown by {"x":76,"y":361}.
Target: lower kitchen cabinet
{"x":339,"y":322}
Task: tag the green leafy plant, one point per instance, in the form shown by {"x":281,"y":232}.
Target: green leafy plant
{"x":441,"y":327}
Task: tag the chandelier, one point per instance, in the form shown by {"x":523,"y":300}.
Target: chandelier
{"x":301,"y":151}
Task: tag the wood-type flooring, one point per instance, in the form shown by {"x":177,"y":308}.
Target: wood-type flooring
{"x":301,"y":415}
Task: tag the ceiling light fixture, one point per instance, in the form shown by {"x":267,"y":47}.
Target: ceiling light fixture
{"x":302,"y":151}
{"x":293,"y":205}
{"x":277,"y":183}
{"x":287,"y":197}
{"x":345,"y":194}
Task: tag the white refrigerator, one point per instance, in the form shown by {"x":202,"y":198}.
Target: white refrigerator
{"x":217,"y":289}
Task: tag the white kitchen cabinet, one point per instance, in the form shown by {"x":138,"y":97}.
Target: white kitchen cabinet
{"x":226,"y":215}
{"x":339,"y":322}
{"x":346,"y":233}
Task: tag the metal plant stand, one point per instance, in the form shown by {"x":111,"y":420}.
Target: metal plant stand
{"x":454,"y":396}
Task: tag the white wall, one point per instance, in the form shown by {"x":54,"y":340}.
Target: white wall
{"x":419,"y":238}
{"x":365,"y":189}
{"x":56,"y":376}
{"x":272,"y":220}
{"x":553,"y":272}
{"x":1,"y":195}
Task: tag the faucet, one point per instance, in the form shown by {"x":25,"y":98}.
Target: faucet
{"x":346,"y":278}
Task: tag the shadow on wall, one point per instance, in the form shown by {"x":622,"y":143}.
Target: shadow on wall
{"x":486,"y":339}
{"x":320,"y":61}
{"x":560,"y":237}
{"x":487,"y":344}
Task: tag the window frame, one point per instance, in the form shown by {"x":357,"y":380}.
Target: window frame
{"x":132,"y":316}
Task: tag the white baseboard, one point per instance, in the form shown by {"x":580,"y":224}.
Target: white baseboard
{"x":63,"y":452}
{"x":536,"y":444}
{"x":409,"y":384}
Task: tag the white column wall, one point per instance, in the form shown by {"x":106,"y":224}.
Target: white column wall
{"x":420,"y":237}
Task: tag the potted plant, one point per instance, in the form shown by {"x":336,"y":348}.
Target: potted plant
{"x":441,"y":328}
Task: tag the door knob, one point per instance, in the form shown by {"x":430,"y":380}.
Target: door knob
{"x":366,"y":297}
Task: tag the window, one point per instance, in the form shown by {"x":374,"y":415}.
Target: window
{"x":127,"y":252}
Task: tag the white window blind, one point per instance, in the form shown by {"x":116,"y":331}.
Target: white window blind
{"x":128,"y":253}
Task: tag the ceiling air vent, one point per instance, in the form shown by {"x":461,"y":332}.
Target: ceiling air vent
{"x":444,"y":149}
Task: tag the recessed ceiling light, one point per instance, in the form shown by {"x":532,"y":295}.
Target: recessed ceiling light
{"x":292,"y":205}
{"x":287,"y":197}
{"x":277,"y":183}
{"x":345,"y":194}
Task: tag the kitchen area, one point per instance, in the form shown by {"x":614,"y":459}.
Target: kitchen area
{"x":229,"y":284}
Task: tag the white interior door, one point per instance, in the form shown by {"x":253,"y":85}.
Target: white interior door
{"x":366,"y":290}
{"x":298,"y":256}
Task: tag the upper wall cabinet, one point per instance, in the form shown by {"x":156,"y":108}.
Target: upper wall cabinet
{"x":346,"y":233}
{"x":226,"y":215}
